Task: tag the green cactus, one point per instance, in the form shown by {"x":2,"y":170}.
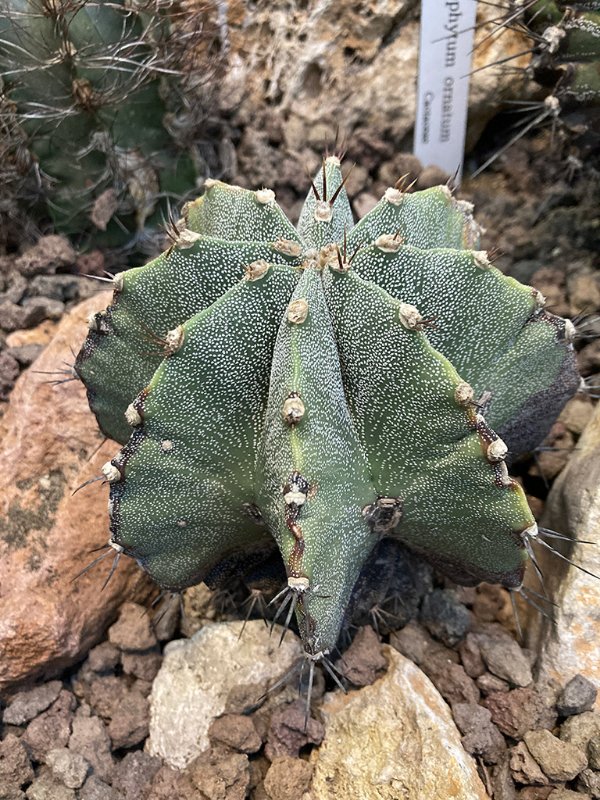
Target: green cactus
{"x":96,"y":90}
{"x":318,"y":390}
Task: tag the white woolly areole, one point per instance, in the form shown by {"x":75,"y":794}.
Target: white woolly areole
{"x":410,"y":316}
{"x":532,"y":531}
{"x":323,"y":211}
{"x":209,"y":183}
{"x":257,"y":270}
{"x":539,"y":298}
{"x":463,"y":394}
{"x":298,"y":584}
{"x":481,"y":260}
{"x":118,"y":282}
{"x":265,"y":196}
{"x":132,"y":416}
{"x":288,"y":247}
{"x":293,"y":410}
{"x":297,"y":311}
{"x":298,"y":498}
{"x":174,"y":340}
{"x":334,"y":161}
{"x":393,"y":196}
{"x":389,"y":242}
{"x":570,"y":331}
{"x":497,"y":450}
{"x":187,"y":238}
{"x":110,"y":472}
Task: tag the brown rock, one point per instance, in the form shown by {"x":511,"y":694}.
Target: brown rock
{"x":480,"y":736}
{"x":130,"y":721}
{"x":589,"y":781}
{"x":52,"y":728}
{"x":49,"y":447}
{"x":42,"y":335}
{"x":581,"y":729}
{"x":49,"y":254}
{"x":288,"y":778}
{"x":577,"y":413}
{"x":9,"y":371}
{"x":363,"y":662}
{"x":470,"y":656}
{"x":103,"y":658}
{"x":488,"y":684}
{"x":288,"y":731}
{"x":503,"y":786}
{"x":26,"y":705}
{"x":560,"y":761}
{"x":524,"y":767}
{"x":450,"y":679}
{"x":46,"y":787}
{"x":171,"y":784}
{"x":567,"y":794}
{"x":220,"y":777}
{"x":142,"y":665}
{"x":535,"y":793}
{"x":133,"y":630}
{"x":90,"y":739}
{"x":236,"y":731}
{"x":96,"y":789}
{"x":516,"y":711}
{"x":15,"y":767}
{"x":552,"y":284}
{"x":584,"y":290}
{"x":588,"y":358}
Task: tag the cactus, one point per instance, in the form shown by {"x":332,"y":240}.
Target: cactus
{"x":312,"y":391}
{"x":97,"y":91}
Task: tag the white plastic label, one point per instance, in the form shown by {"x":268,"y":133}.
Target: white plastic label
{"x":445,"y":55}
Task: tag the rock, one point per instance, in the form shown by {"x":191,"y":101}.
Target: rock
{"x":235,"y":731}
{"x":524,"y":767}
{"x":396,"y":735}
{"x":515,"y":712}
{"x":566,"y":794}
{"x":196,"y":677}
{"x":583,"y":287}
{"x":289,"y":732}
{"x":133,"y":629}
{"x":95,"y":789}
{"x":348,"y":64}
{"x":37,"y":309}
{"x":444,"y":617}
{"x":171,"y":784}
{"x":103,"y":658}
{"x":488,"y":684}
{"x":26,"y":705}
{"x":432,"y":176}
{"x":133,"y":775}
{"x":25,"y":354}
{"x":11,"y":315}
{"x":52,"y":728}
{"x":130,"y":720}
{"x":480,"y":736}
{"x":15,"y":767}
{"x":568,"y":645}
{"x":42,"y":335}
{"x":9,"y":372}
{"x":577,"y":413}
{"x":505,"y":659}
{"x":90,"y":739}
{"x":593,"y":752}
{"x":363,"y":662}
{"x":68,"y":767}
{"x":220,"y":777}
{"x":46,"y":256}
{"x":46,"y":787}
{"x":287,"y":778}
{"x":588,"y":358}
{"x":589,"y":781}
{"x":49,"y":447}
{"x":412,"y":641}
{"x":580,"y":729}
{"x":535,"y":793}
{"x":142,"y":665}
{"x":503,"y":786}
{"x":579,"y":695}
{"x":470,"y":656}
{"x":449,"y":678}
{"x":560,"y":761}
{"x":363,"y":203}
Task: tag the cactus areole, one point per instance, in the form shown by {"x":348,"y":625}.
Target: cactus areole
{"x":314,"y":389}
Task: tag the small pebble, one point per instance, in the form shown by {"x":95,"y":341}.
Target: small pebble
{"x":589,"y":781}
{"x":578,"y":730}
{"x":15,"y":767}
{"x":103,"y":658}
{"x":46,"y":787}
{"x":288,"y":778}
{"x":489,"y":683}
{"x":133,"y":629}
{"x":524,"y":767}
{"x":288,"y":734}
{"x":480,"y":736}
{"x":133,"y":775}
{"x":579,"y":695}
{"x":363,"y":662}
{"x":505,"y":659}
{"x":68,"y":767}
{"x":593,"y":751}
{"x":444,"y":617}
{"x":236,"y":731}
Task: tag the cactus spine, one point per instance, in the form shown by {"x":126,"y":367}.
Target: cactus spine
{"x":309,"y":391}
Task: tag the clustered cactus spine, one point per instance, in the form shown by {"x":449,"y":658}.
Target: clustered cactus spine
{"x":98,"y":92}
{"x":311,"y":391}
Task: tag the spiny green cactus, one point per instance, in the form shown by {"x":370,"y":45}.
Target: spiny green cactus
{"x":95,"y":88}
{"x":318,"y":389}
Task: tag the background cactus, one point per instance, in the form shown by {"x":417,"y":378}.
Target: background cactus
{"x":98,"y":110}
{"x":314,"y":390}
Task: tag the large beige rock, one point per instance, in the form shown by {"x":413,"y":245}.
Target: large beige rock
{"x":50,"y":444}
{"x":393,"y":740}
{"x":573,"y":508}
{"x":197,"y":676}
{"x":296,"y":72}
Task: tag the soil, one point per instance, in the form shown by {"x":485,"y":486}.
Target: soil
{"x":539,"y":205}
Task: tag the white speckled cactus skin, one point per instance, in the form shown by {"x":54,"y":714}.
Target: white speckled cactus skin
{"x":313,"y":390}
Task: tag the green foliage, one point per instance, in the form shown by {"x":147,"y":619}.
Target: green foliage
{"x":96,"y":90}
{"x":315,"y":390}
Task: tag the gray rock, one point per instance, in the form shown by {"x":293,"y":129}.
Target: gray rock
{"x":444,"y":617}
{"x":133,"y":775}
{"x":46,"y":787}
{"x":480,"y":736}
{"x":197,"y":676}
{"x":9,"y":372}
{"x":91,"y":740}
{"x":593,"y":752}
{"x":104,"y":657}
{"x":69,"y":767}
{"x":51,"y":728}
{"x":560,"y":761}
{"x":505,"y":659}
{"x":142,"y":665}
{"x":578,"y":730}
{"x":12,"y":316}
{"x":95,"y":789}
{"x":15,"y":767}
{"x":56,"y":287}
{"x":589,"y":781}
{"x":579,"y":695}
{"x":37,"y":309}
{"x":25,"y":354}
{"x":129,"y":723}
{"x":26,"y":705}
{"x":49,"y":254}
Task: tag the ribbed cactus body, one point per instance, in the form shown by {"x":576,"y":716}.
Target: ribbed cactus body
{"x":89,"y":81}
{"x":315,"y":390}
